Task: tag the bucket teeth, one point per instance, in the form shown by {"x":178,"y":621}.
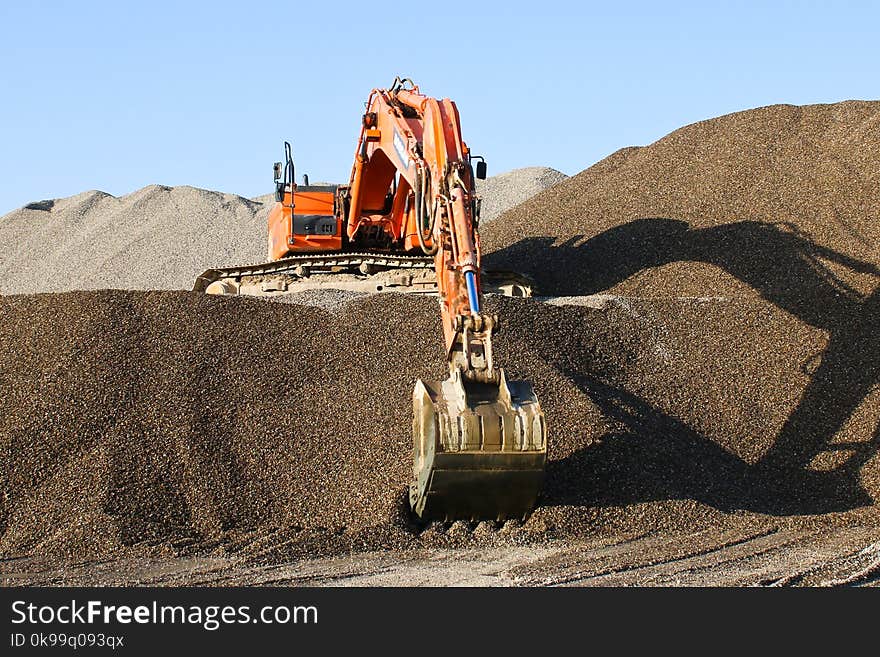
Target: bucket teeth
{"x":479,"y":450}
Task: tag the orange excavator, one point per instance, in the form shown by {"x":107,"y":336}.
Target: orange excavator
{"x":408,"y":221}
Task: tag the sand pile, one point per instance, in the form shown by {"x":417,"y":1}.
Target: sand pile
{"x":163,"y":237}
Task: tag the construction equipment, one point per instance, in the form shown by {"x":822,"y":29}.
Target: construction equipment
{"x":408,"y":221}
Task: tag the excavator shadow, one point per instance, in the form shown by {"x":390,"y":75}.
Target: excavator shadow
{"x":650,"y":456}
{"x":664,"y":457}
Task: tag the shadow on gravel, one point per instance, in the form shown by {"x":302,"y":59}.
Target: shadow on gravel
{"x":668,"y":459}
{"x":652,"y":456}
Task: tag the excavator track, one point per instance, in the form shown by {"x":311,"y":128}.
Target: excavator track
{"x":313,"y":262}
{"x":363,"y":272}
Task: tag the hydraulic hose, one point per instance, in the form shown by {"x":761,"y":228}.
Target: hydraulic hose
{"x":420,"y":218}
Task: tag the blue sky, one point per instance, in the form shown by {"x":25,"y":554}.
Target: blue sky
{"x":118,"y":95}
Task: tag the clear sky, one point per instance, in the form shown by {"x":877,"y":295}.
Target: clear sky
{"x":118,"y":95}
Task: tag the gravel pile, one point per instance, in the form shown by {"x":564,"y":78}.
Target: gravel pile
{"x":163,"y":237}
{"x":764,"y":202}
{"x":157,"y":237}
{"x":167,"y":422}
{"x":507,"y":190}
{"x":170,"y":417}
{"x":725,"y":375}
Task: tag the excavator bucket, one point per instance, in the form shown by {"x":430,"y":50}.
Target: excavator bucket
{"x":479,"y":450}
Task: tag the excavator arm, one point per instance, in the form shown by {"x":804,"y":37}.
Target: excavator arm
{"x":479,"y":441}
{"x":412,"y":144}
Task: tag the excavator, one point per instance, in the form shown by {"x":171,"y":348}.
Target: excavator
{"x":408,"y":221}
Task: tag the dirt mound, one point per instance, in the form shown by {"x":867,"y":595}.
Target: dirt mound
{"x":166,"y":422}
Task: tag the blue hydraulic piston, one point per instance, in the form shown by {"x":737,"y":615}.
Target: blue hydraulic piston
{"x":470,"y":278}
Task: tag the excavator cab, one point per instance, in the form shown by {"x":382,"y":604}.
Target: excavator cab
{"x":305,"y":219}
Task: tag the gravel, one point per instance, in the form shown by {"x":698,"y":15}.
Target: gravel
{"x":507,"y":190}
{"x":328,"y":299}
{"x":725,"y":375}
{"x":168,"y":422}
{"x":155,"y":238}
{"x":765,"y":203}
